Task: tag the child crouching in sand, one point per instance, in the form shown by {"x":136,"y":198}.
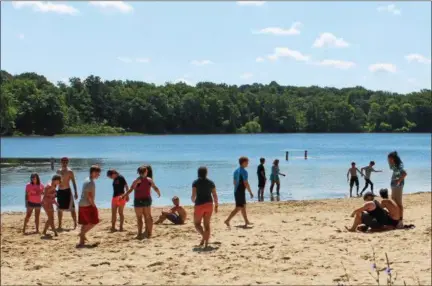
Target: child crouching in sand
{"x":49,"y":201}
{"x":143,"y":201}
{"x":88,"y":215}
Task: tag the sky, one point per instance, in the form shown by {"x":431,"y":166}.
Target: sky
{"x":378,"y":45}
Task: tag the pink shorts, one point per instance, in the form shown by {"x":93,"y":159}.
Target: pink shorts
{"x":118,"y":201}
{"x":205,"y":209}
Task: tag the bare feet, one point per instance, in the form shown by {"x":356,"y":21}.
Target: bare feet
{"x":121,"y":229}
{"x":350,"y":229}
{"x":227,"y":223}
{"x":75,"y":225}
{"x":55,"y":233}
{"x":202,"y":242}
{"x":113,"y":229}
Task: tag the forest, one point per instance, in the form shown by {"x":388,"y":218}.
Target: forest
{"x":31,"y":105}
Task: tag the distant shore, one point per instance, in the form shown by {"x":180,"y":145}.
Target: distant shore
{"x":298,"y":242}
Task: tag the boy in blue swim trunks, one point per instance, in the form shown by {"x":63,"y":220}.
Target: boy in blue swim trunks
{"x":176,"y":215}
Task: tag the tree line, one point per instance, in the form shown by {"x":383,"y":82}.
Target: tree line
{"x":31,"y":105}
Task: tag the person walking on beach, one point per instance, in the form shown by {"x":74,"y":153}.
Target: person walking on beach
{"x":241,"y":184}
{"x":354,"y":179}
{"x":274,"y":177}
{"x":368,"y":171}
{"x":33,"y":200}
{"x":397,"y":181}
{"x":88,"y":216}
{"x":120,"y":186}
{"x":176,"y":215}
{"x":48,"y":202}
{"x":204,"y":195}
{"x":143,"y":201}
{"x":261,"y":179}
{"x":65,"y":199}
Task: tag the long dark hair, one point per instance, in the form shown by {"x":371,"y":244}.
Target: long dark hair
{"x":149,"y":171}
{"x":35,"y":175}
{"x":397,"y":160}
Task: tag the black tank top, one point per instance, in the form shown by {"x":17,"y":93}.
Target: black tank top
{"x":379,"y":213}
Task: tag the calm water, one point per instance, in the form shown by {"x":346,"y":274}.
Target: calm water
{"x":175,"y":160}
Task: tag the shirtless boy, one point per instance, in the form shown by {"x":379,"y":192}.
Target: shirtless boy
{"x":354,"y":179}
{"x":65,"y":199}
{"x":392,"y":208}
{"x":176,"y":215}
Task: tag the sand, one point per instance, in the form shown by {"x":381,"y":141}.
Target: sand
{"x":296,"y":242}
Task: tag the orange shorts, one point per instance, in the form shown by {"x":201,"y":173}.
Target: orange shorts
{"x":118,"y":201}
{"x":205,"y":209}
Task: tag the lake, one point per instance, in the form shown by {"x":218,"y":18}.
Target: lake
{"x":175,"y":160}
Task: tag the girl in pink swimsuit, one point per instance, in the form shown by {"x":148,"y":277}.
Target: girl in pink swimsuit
{"x":48,"y":201}
{"x":33,"y":196}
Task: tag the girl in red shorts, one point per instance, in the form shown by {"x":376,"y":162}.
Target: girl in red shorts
{"x":203,"y":195}
{"x":88,"y":213}
{"x":120,"y":186}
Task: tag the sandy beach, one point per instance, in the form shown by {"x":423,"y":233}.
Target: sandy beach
{"x":296,"y":242}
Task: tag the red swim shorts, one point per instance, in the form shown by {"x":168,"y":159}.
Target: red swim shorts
{"x":205,"y":209}
{"x":88,"y":215}
{"x":118,"y":201}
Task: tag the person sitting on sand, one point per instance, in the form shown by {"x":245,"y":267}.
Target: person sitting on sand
{"x":48,"y":202}
{"x":176,"y":215}
{"x":392,"y":208}
{"x":240,"y":185}
{"x":143,"y":201}
{"x":120,"y":186}
{"x":88,"y":216}
{"x":203,"y":196}
{"x":371,"y":214}
{"x":33,"y":200}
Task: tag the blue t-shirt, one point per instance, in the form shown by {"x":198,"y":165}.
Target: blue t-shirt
{"x":240,"y":176}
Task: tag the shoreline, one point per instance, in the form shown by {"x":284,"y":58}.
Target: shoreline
{"x":195,"y":134}
{"x":298,"y":242}
{"x":231,"y":204}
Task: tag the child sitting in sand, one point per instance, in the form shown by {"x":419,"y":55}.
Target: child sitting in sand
{"x":176,"y":215}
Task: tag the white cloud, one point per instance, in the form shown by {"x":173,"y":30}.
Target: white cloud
{"x":142,"y":60}
{"x":417,"y":58}
{"x":21,"y":36}
{"x":46,"y":7}
{"x":285,"y":52}
{"x":278,"y":31}
{"x":344,"y":65}
{"x":259,"y":59}
{"x":120,"y":6}
{"x":391,"y":8}
{"x":246,"y":75}
{"x":201,"y":63}
{"x":251,"y":3}
{"x":383,"y":67}
{"x":124,"y":59}
{"x":330,"y":40}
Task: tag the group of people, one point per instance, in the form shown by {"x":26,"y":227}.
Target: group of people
{"x":384,"y":215}
{"x":374,"y":215}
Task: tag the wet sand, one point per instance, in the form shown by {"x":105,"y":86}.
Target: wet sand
{"x":296,"y":242}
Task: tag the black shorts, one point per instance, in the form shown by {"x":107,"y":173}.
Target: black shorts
{"x":354,"y":180}
{"x":65,"y":200}
{"x":261,"y":183}
{"x":370,"y":221}
{"x":33,"y":205}
{"x":391,"y":222}
{"x":240,"y":198}
{"x":142,"y":203}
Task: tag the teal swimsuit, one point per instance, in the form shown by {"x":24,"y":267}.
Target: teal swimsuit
{"x":274,"y":176}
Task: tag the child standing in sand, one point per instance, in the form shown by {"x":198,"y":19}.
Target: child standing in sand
{"x":204,"y":195}
{"x":88,"y":216}
{"x":397,"y":182}
{"x":143,"y":201}
{"x":33,"y":199}
{"x":120,"y":186}
{"x":240,"y":185}
{"x":49,"y":201}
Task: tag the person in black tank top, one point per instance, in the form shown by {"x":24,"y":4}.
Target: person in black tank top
{"x":371,"y":214}
{"x":203,"y":195}
{"x":120,"y":186}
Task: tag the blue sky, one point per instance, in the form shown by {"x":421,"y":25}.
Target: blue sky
{"x":379,"y":45}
